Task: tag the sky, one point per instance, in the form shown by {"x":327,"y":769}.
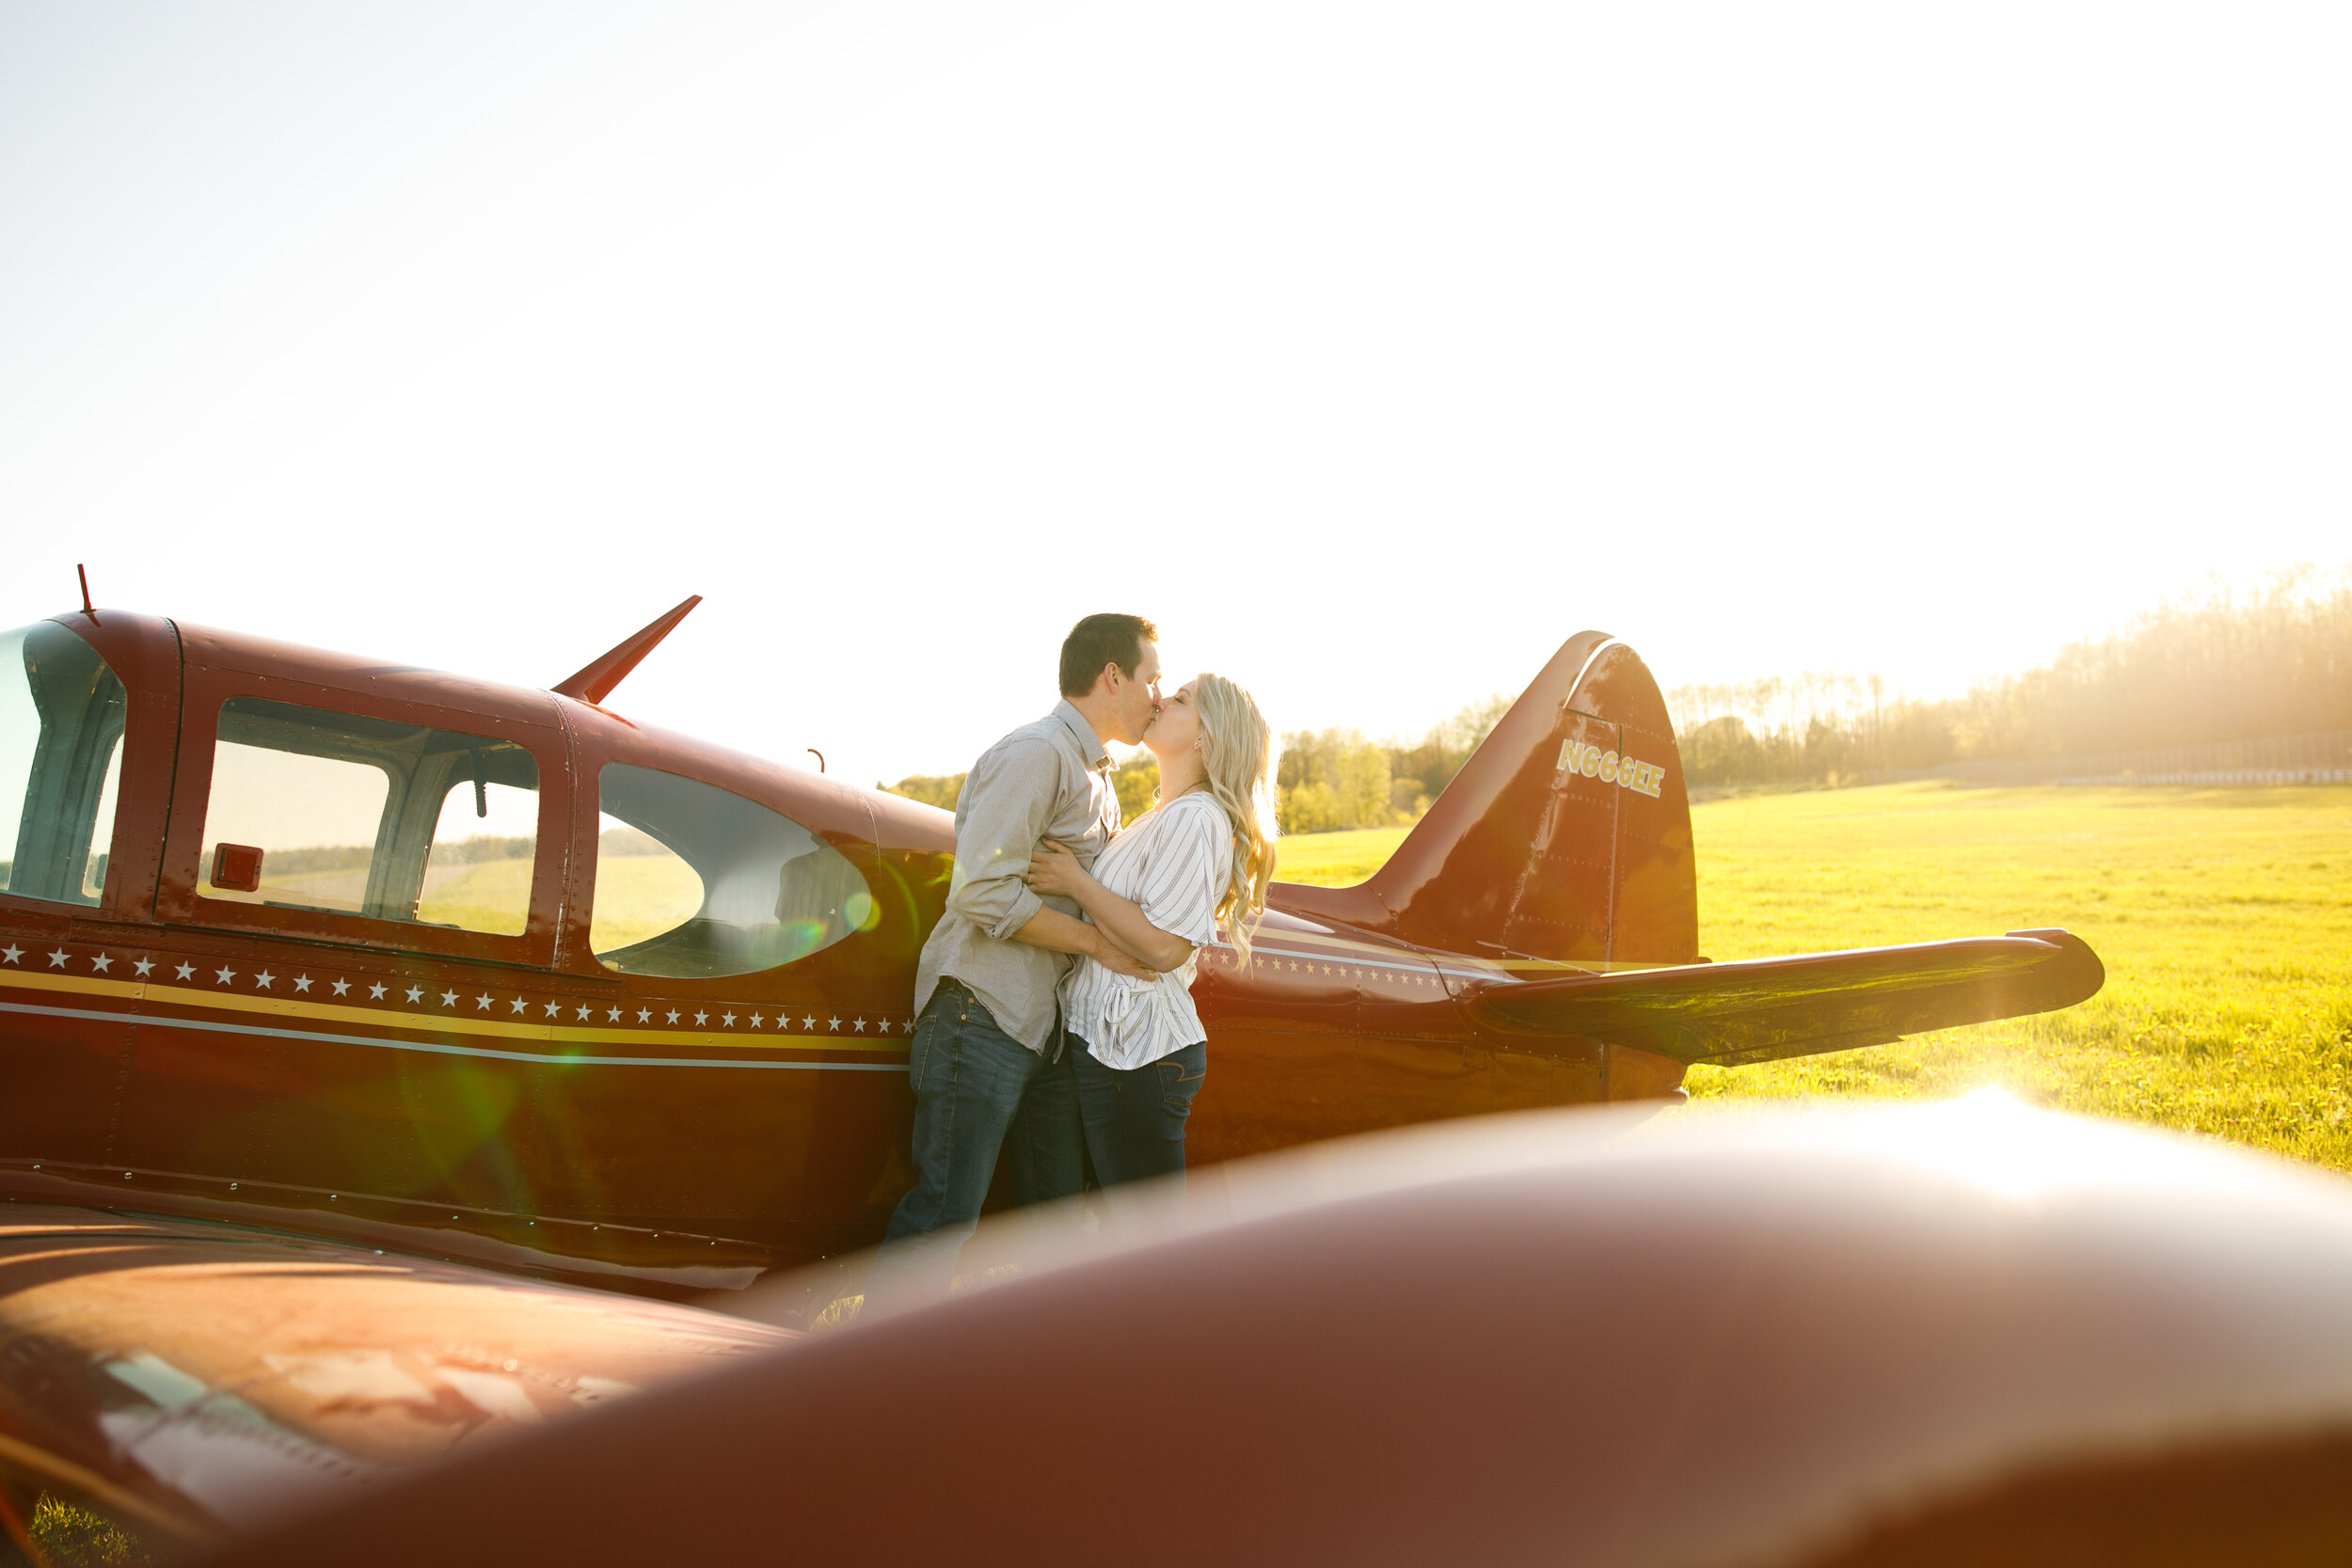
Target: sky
{"x":1373,"y":351}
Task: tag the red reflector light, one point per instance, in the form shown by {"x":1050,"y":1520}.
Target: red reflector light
{"x":237,"y":867}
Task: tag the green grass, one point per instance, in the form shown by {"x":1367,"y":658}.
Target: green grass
{"x":2224,"y":917}
{"x":637,"y":896}
{"x":1338,"y":859}
{"x":640,"y":896}
{"x":71,"y":1536}
{"x":486,"y":895}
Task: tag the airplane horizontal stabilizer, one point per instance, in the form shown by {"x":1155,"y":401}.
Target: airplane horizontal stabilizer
{"x":1760,"y":1010}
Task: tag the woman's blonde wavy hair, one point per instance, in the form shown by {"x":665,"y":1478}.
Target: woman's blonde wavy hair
{"x":1238,"y":754}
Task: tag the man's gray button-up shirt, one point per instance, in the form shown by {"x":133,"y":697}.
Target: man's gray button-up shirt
{"x":1051,"y":778}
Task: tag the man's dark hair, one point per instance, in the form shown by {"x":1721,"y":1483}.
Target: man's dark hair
{"x":1100,"y":639}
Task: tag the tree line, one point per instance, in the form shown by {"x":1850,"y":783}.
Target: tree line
{"x":1339,"y":779}
{"x":2224,"y":666}
{"x":1326,"y":778}
{"x":1137,"y":781}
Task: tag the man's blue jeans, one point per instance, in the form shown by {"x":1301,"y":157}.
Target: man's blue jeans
{"x":978,"y":1091}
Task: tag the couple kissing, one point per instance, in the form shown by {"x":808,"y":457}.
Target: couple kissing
{"x":1053,"y":1015}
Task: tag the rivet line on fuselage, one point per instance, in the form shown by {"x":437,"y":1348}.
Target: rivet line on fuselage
{"x":539,"y":1058}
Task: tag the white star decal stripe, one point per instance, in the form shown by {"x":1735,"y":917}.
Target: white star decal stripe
{"x":560,"y":1063}
{"x":307,"y":995}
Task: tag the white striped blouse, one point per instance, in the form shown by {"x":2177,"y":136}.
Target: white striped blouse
{"x":1174,"y":862}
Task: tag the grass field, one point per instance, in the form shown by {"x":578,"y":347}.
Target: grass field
{"x":490,"y":896}
{"x":1336,"y":860}
{"x":640,"y":896}
{"x":2224,"y":917}
{"x":637,"y":896}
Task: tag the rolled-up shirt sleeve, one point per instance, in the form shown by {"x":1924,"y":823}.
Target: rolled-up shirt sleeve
{"x":1001,"y":814}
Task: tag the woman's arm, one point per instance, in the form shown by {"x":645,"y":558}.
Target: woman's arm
{"x":1054,"y":870}
{"x":1056,"y":932}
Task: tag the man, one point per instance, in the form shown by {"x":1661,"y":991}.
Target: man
{"x":987,"y":1024}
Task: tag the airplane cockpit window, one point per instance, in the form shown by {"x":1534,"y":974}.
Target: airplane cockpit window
{"x":694,"y":881}
{"x":61,"y":713}
{"x":314,"y":810}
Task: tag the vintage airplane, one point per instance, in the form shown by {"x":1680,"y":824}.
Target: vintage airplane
{"x":244,"y":977}
{"x":379,"y":961}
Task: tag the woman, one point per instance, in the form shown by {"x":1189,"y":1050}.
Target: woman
{"x":1203,"y":855}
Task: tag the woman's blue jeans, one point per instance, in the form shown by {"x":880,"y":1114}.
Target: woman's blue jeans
{"x":1135,"y":1120}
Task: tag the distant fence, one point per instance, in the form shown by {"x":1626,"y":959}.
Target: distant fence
{"x":2322,"y":758}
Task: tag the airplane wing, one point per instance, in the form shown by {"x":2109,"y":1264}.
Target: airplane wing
{"x":1760,"y":1010}
{"x":185,"y":1380}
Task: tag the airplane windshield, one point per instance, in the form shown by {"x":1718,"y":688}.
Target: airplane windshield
{"x":694,"y":881}
{"x":61,"y":713}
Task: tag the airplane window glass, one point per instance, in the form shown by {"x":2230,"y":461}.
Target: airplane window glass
{"x":643,"y":887}
{"x":694,"y":881}
{"x":316,"y":810}
{"x":479,"y":874}
{"x":94,"y":862}
{"x":61,"y":713}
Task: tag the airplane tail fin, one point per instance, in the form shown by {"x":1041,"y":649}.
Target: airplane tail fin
{"x":1566,"y":836}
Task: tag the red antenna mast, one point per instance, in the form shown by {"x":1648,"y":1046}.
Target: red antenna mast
{"x":594,"y":683}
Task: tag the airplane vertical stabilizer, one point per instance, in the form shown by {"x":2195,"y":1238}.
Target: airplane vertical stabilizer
{"x":1567,"y":836}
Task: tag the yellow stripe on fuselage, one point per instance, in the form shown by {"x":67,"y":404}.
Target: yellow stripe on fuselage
{"x":130,"y":989}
